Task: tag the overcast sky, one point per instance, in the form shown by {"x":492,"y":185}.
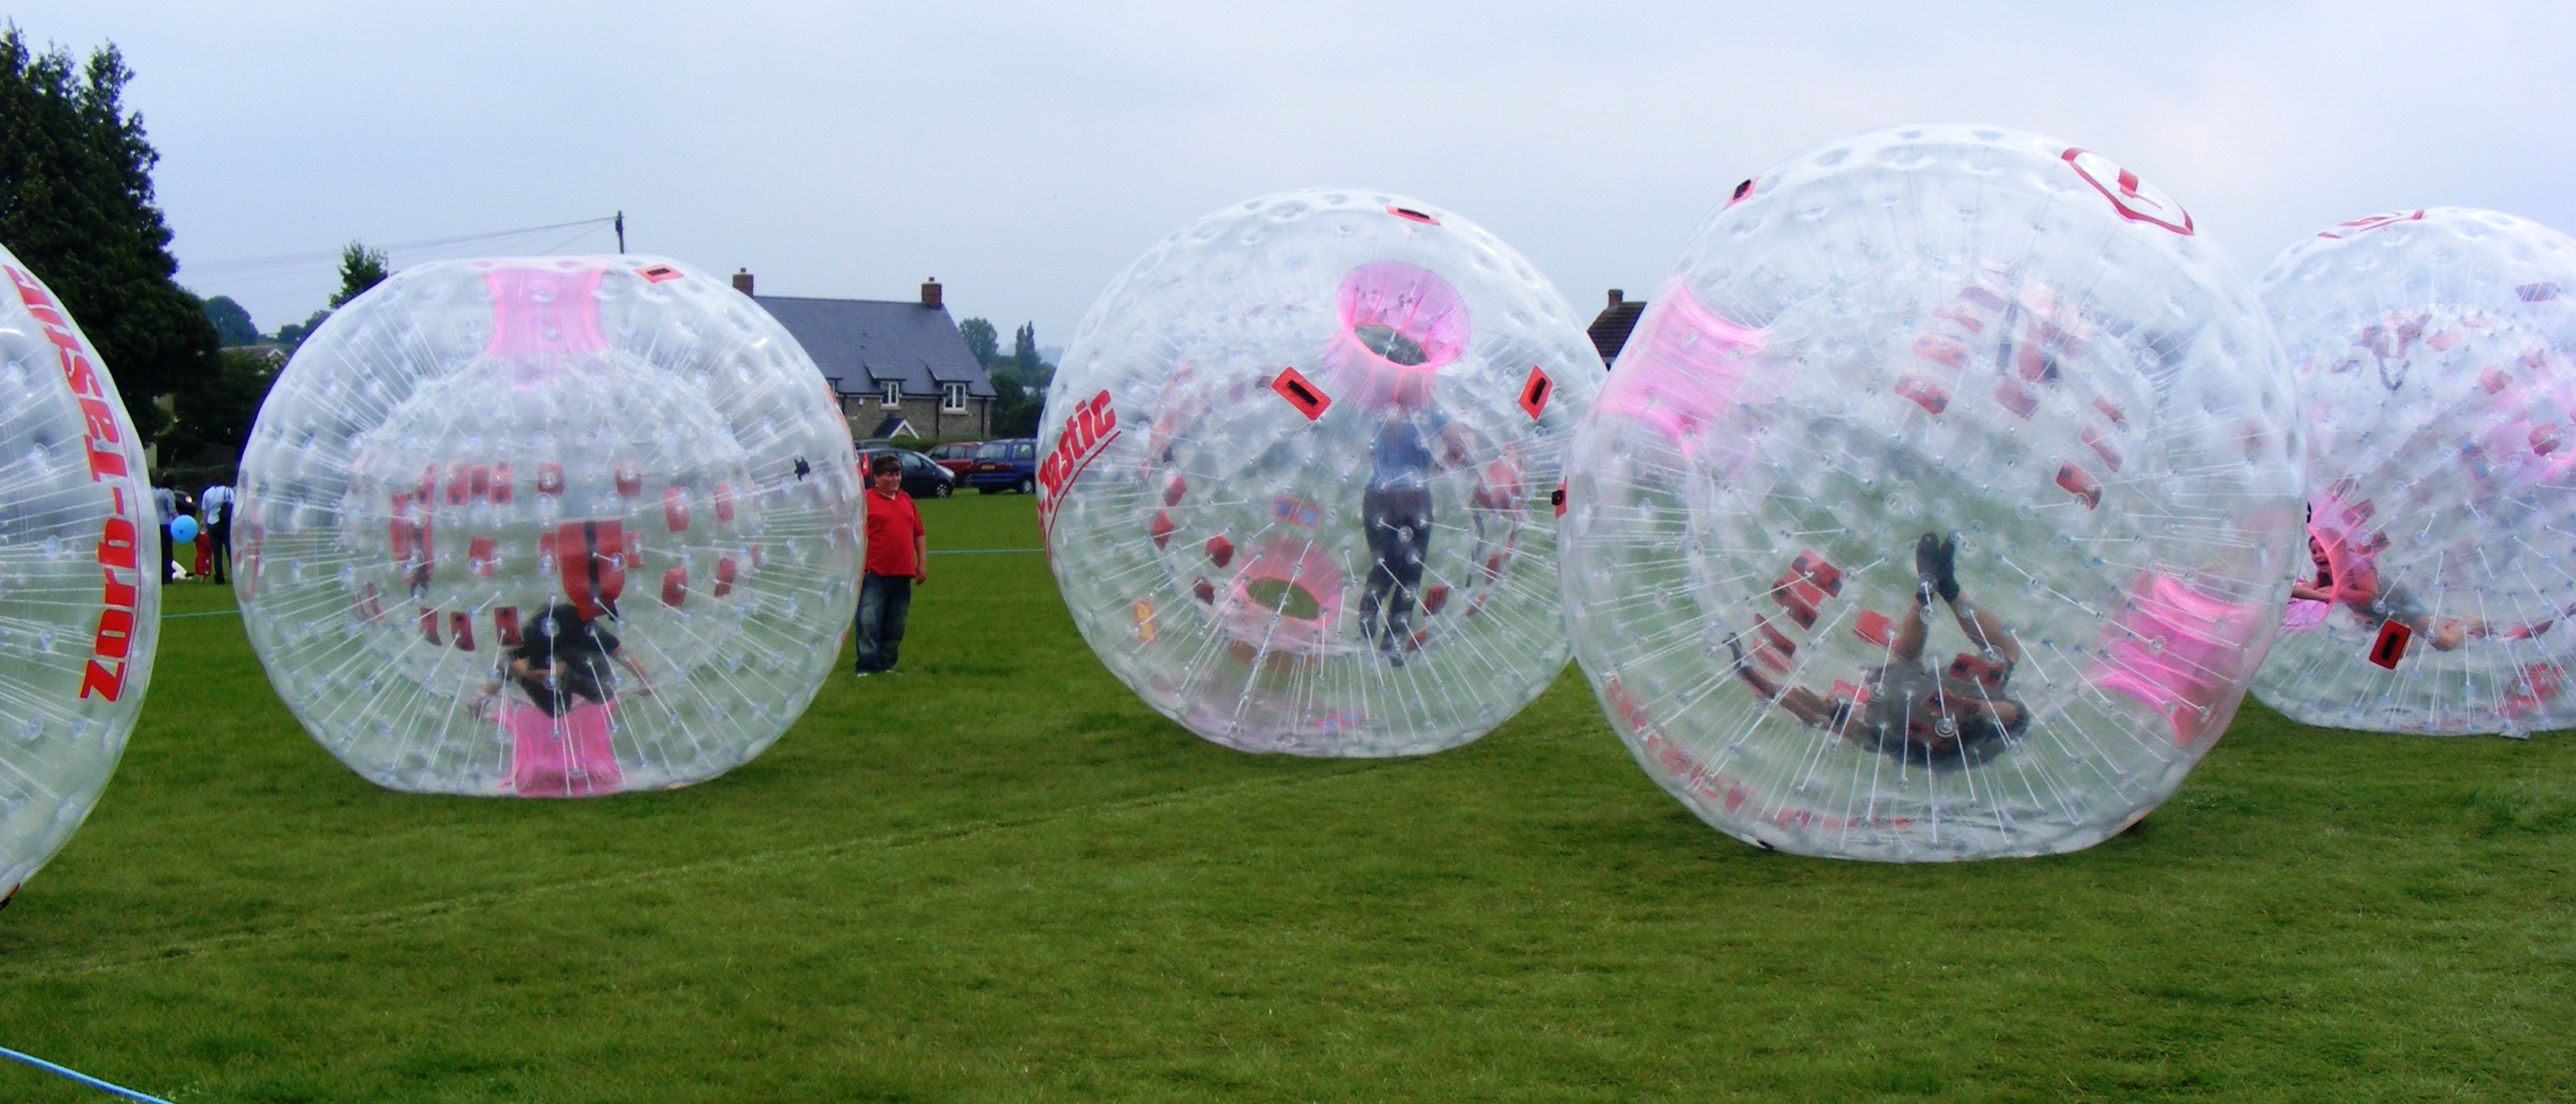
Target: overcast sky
{"x":1024,"y":154}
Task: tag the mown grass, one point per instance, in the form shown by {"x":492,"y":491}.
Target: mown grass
{"x":999,"y":877}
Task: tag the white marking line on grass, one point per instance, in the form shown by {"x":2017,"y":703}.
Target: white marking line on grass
{"x":934,"y":552}
{"x":430,"y":910}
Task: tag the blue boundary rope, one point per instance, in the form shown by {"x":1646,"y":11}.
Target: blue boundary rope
{"x":83,"y":1078}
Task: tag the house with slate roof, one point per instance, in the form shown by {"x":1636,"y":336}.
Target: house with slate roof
{"x":899,"y":367}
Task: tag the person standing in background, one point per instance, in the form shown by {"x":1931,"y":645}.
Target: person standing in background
{"x":898,"y":557}
{"x":217,"y":502}
{"x":165,"y":502}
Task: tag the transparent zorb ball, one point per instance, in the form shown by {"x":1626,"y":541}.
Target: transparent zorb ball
{"x":1297,"y":475}
{"x":2432,"y":352}
{"x":80,"y":581}
{"x":548,"y":527}
{"x":1939,"y":506}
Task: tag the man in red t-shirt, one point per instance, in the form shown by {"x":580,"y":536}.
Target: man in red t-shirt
{"x":898,"y":557}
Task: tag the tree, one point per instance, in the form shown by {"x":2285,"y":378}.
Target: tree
{"x":215,"y":411}
{"x":231,"y":321}
{"x":360,"y":268}
{"x":981,"y":340}
{"x":292,"y":334}
{"x":76,"y":207}
{"x":1024,"y":349}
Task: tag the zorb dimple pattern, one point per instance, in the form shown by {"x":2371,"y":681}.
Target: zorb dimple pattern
{"x":2432,"y":351}
{"x":1939,"y":506}
{"x":80,"y":593}
{"x":1298,"y":476}
{"x":548,"y":527}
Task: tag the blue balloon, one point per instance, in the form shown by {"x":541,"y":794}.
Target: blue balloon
{"x":184,"y":529}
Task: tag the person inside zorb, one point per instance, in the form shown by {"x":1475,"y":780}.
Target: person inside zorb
{"x":1414,"y":321}
{"x":1929,"y":376}
{"x":1963,"y":715}
{"x":1295,"y":473}
{"x":548,"y":527}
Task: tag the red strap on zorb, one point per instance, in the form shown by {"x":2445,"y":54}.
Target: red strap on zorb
{"x":2391,"y":645}
{"x":1535,"y":392}
{"x":1301,"y":393}
{"x":591,"y":557}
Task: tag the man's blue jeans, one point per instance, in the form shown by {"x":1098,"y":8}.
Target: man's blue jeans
{"x":884,"y":600}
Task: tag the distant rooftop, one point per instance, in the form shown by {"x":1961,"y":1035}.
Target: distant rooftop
{"x":861,"y":344}
{"x":1610,"y":328}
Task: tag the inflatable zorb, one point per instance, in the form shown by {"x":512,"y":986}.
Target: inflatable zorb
{"x":80,"y":585}
{"x":548,"y":527}
{"x":2432,"y":351}
{"x":1297,"y":475}
{"x":1939,"y":506}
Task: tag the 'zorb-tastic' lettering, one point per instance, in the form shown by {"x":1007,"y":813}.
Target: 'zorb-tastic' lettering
{"x":1297,"y":475}
{"x":548,"y":527}
{"x":81,"y":536}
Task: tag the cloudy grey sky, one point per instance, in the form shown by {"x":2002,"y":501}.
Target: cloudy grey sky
{"x":1024,"y":153}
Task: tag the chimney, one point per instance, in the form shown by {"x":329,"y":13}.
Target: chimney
{"x":930,"y":293}
{"x":742,"y":280}
{"x":1617,"y":297}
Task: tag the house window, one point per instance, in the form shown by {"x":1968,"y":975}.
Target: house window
{"x":952,"y":397}
{"x":892,"y":393}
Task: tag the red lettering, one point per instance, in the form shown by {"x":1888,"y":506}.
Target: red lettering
{"x":117,"y":592}
{"x":115,"y":633}
{"x":105,"y":462}
{"x":102,"y":681}
{"x":29,"y":291}
{"x":116,"y":544}
{"x":78,"y":372}
{"x":102,"y":422}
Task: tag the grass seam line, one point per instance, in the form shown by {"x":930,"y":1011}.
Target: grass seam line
{"x":879,"y":844}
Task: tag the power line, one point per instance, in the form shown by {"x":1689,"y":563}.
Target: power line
{"x":217,"y":268}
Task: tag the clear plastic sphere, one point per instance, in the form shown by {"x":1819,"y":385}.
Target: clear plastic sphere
{"x":548,"y":527}
{"x":2432,"y":350}
{"x":80,"y":581}
{"x":1297,"y":475}
{"x":1939,"y":506}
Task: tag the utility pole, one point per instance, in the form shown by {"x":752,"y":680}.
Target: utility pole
{"x":621,"y":231}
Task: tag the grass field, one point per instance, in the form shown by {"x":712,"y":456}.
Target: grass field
{"x":999,"y":877}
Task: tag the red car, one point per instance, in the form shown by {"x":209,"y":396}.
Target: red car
{"x":956,"y":456}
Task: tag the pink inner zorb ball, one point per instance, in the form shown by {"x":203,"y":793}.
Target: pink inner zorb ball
{"x":80,"y":582}
{"x":548,"y":527}
{"x":1298,"y":472}
{"x":2435,"y":353}
{"x":1940,"y":505}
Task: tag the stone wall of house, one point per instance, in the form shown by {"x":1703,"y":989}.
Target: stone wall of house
{"x":864,"y":412}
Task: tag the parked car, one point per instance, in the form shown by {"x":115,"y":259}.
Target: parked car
{"x":956,"y":456}
{"x":1005,"y":466}
{"x":921,"y":478}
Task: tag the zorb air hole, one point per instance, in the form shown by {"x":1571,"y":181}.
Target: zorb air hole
{"x":80,"y":586}
{"x":2432,"y":352}
{"x":1298,"y":472}
{"x":1939,"y":506}
{"x":548,"y":527}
